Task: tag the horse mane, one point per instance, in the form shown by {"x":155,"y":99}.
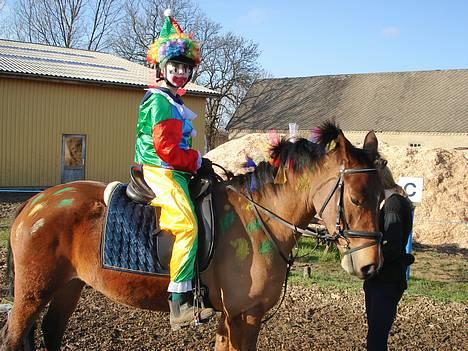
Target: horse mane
{"x":328,"y":132}
{"x":298,"y":156}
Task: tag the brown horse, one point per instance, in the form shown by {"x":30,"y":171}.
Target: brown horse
{"x":55,"y":241}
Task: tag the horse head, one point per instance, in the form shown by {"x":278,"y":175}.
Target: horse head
{"x":348,"y":200}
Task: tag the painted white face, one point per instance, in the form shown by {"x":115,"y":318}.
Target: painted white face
{"x":177,"y":73}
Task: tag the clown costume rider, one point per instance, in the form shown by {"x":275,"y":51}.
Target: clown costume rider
{"x":163,"y":146}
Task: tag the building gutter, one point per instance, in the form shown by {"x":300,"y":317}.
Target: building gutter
{"x":21,"y":190}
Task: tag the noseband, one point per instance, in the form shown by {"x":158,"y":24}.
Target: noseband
{"x":341,"y":225}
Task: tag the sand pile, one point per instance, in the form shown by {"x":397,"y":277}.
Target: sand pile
{"x":442,"y":216}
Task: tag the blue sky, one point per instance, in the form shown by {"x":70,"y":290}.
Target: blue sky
{"x":323,"y":37}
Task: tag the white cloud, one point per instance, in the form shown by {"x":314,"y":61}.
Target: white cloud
{"x":391,"y":32}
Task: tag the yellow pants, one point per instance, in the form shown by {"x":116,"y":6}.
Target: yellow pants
{"x":177,"y":217}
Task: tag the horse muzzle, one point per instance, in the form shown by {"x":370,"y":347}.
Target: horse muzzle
{"x":359,"y":260}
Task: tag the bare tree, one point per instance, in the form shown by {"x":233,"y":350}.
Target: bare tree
{"x":67,"y":23}
{"x":229,"y":63}
{"x":106,"y":15}
{"x":4,"y":26}
{"x":143,"y":20}
{"x":229,"y":66}
{"x":50,"y":22}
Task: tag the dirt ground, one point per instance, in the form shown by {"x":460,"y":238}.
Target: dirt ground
{"x":311,"y":318}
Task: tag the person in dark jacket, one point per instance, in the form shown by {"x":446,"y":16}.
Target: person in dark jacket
{"x":384,"y":291}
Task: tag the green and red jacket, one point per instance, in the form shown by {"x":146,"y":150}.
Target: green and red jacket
{"x":164,"y":133}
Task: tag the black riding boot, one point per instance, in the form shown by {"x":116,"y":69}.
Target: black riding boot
{"x":183,"y":311}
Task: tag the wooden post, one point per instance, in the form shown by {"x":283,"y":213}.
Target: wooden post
{"x":307,"y":272}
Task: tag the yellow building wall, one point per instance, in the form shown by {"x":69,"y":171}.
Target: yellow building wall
{"x":35,"y":114}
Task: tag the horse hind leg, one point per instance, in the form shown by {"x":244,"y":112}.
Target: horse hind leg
{"x":31,"y":297}
{"x":60,"y":309}
{"x":18,"y":331}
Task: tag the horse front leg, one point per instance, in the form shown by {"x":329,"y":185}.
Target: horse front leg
{"x":244,"y":329}
{"x":222,"y":334}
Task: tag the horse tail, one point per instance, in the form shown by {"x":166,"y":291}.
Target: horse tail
{"x":10,"y":268}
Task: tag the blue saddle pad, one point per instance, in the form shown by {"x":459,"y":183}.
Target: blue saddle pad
{"x":128,"y":237}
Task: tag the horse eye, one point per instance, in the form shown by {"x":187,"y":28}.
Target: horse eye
{"x":356,"y":202}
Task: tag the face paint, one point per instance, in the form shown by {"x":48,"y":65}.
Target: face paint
{"x":177,"y":73}
{"x":36,"y":208}
{"x":65,"y":202}
{"x":253,"y":226}
{"x":265,"y":247}
{"x":227,"y":221}
{"x":63,"y":190}
{"x":302,"y":183}
{"x":249,"y":207}
{"x":241,"y":246}
{"x":37,"y":198}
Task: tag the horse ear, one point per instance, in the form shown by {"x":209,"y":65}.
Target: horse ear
{"x":371,"y":143}
{"x":343,"y":145}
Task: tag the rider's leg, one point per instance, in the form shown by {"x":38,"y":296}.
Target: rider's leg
{"x":178,"y":217}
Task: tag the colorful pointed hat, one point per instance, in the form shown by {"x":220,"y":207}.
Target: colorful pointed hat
{"x":174,"y":44}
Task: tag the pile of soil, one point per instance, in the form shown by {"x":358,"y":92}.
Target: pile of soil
{"x":442,"y":216}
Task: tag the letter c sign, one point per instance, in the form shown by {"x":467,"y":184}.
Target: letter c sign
{"x":413,"y":187}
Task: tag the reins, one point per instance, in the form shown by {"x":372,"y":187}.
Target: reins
{"x":291,"y":258}
{"x":341,"y":226}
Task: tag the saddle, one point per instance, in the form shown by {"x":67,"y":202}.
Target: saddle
{"x":132,"y":239}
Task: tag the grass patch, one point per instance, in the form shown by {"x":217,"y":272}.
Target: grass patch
{"x":325,"y":280}
{"x":439,"y":291}
{"x":326,"y":272}
{"x":311,"y":252}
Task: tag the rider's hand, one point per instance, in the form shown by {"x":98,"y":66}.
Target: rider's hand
{"x":206,"y":166}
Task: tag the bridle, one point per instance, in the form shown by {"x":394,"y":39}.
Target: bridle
{"x":342,"y":230}
{"x":341,"y":226}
